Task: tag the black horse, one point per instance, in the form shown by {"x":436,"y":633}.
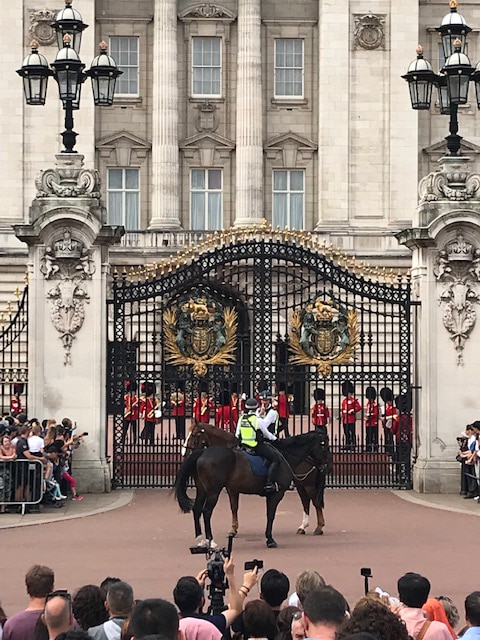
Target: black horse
{"x":216,"y":468}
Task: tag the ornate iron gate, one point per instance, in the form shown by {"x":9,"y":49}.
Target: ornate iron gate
{"x":248,"y":309}
{"x":14,"y":353}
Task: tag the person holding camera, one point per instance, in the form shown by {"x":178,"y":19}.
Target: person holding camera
{"x":189,"y":596}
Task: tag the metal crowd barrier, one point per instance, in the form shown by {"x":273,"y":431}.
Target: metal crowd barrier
{"x":21,"y":482}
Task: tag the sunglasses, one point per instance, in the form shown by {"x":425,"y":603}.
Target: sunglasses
{"x":297,"y":615}
{"x":59,"y":593}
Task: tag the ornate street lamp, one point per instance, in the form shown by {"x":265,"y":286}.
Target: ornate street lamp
{"x":69,"y":21}
{"x":453,"y":80}
{"x":68,"y":71}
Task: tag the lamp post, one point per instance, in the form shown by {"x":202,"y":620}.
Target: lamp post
{"x":453,"y":80}
{"x":68,"y":71}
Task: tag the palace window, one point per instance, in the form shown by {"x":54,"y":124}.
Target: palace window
{"x":206,"y":66}
{"x":206,"y":199}
{"x":288,"y":199}
{"x":288,"y":69}
{"x":124,"y":50}
{"x":123,"y":190}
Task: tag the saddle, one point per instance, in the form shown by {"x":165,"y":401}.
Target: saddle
{"x":257,"y":464}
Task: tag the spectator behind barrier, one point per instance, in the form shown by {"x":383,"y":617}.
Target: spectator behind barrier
{"x":274,"y":587}
{"x":413,"y":590}
{"x":154,"y":617}
{"x":373,"y":617}
{"x":324,"y":610}
{"x":89,"y":607}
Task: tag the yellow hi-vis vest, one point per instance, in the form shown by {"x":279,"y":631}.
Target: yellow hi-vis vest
{"x":248,"y":430}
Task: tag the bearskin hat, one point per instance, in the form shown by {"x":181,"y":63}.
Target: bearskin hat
{"x":262,"y":385}
{"x":319,"y":394}
{"x":404,"y":402}
{"x":281,"y":386}
{"x":180,"y":385}
{"x":347,"y":387}
{"x":203,"y":387}
{"x":371,"y":393}
{"x":150,"y":388}
{"x":386,"y":394}
{"x":131,"y":385}
{"x":18,"y":388}
{"x":225,"y":398}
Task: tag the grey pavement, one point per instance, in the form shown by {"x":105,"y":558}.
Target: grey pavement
{"x":94,"y":504}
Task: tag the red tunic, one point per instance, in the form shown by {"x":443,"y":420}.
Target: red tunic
{"x":16,"y":404}
{"x":178,"y":405}
{"x":402,"y":428}
{"x":149,"y":409}
{"x":372,"y":411}
{"x":202,"y":410}
{"x":350,"y":407}
{"x":390,"y":413}
{"x":320,"y":414}
{"x":282,"y":406}
{"x":132,"y":409}
{"x":223,"y":417}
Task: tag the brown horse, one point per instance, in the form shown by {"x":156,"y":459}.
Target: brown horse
{"x":309,"y":480}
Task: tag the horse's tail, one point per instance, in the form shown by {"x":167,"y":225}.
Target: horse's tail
{"x":183,"y":476}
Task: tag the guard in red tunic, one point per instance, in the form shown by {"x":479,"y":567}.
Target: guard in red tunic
{"x":16,"y":406}
{"x":320,"y":412}
{"x":389,"y":411}
{"x":372,"y":413}
{"x":281,"y":404}
{"x":235,"y":410}
{"x":131,"y":411}
{"x":203,"y":406}
{"x":350,"y":407}
{"x":148,"y":407}
{"x":177,"y":405}
{"x":223,"y":413}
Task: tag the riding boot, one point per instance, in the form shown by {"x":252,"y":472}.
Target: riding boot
{"x":271,"y":486}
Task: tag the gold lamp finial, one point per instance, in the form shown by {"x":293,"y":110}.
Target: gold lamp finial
{"x":453,"y":4}
{"x":419,"y":50}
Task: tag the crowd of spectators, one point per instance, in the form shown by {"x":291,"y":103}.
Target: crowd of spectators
{"x":109,"y":611}
{"x":469,"y":456}
{"x":49,"y":443}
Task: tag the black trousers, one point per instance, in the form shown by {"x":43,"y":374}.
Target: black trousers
{"x":349,"y":429}
{"x":180,"y":427}
{"x":130,"y":424}
{"x":371,"y":438}
{"x":283,"y":426}
{"x":148,"y":432}
{"x":272,"y":456}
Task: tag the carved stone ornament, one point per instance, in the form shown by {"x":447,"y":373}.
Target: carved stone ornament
{"x":458,"y":266}
{"x":369,"y":31}
{"x":452,"y":182}
{"x":206,"y":119}
{"x":41,"y":28}
{"x":68,"y":180}
{"x":207,"y":10}
{"x":68,"y":264}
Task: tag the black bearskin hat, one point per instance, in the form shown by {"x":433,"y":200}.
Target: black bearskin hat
{"x":371,"y":393}
{"x":131,"y":385}
{"x":404,"y":402}
{"x":319,"y":394}
{"x":281,"y":386}
{"x":150,"y":388}
{"x":386,"y":394}
{"x":262,"y":385}
{"x":225,"y":398}
{"x":347,"y":387}
{"x":18,"y":388}
{"x":203,"y":387}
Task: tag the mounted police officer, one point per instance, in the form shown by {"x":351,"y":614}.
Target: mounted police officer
{"x":253,"y":431}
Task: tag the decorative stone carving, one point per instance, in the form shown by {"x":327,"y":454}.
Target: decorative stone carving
{"x":206,"y":119}
{"x":68,"y":264}
{"x":41,"y":28}
{"x":458,"y":265}
{"x":68,"y":180}
{"x":369,"y":31}
{"x":452,"y":182}
{"x":207,"y":10}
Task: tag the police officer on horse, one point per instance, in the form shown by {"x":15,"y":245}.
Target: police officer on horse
{"x":253,"y":430}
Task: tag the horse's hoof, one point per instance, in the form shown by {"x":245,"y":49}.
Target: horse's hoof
{"x":271,"y":544}
{"x":300,"y":531}
{"x":318,"y":532}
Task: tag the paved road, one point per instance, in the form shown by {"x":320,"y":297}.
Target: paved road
{"x":144,"y":540}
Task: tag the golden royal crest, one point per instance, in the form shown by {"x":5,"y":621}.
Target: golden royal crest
{"x":322,"y":334}
{"x":200,"y":333}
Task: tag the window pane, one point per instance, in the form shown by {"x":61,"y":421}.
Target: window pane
{"x":131,"y":211}
{"x":280,"y":180}
{"x":296,"y":211}
{"x":114,"y":178}
{"x":131,"y":178}
{"x":214,"y":211}
{"x":296,"y":180}
{"x":214,"y":179}
{"x":198,"y":211}
{"x":198,"y":179}
{"x":280,"y":210}
{"x":115,"y":208}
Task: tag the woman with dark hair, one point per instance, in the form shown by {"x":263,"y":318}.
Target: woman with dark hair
{"x":375,"y":618}
{"x":259,"y":621}
{"x":89,"y":607}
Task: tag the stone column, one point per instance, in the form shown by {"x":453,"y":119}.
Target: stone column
{"x":165,"y":153}
{"x":445,"y":242}
{"x":249,"y":151}
{"x":68,"y":268}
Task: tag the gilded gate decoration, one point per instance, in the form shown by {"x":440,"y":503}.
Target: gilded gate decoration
{"x":199,"y":333}
{"x":250,"y":309}
{"x":323,"y":334}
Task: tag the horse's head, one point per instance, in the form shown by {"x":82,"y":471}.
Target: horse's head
{"x":321,"y":450}
{"x":198,"y":437}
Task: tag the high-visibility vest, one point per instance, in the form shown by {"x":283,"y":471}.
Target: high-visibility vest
{"x":248,"y":430}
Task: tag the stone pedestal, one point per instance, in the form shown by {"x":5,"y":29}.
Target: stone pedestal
{"x":445,"y":242}
{"x":68,"y":267}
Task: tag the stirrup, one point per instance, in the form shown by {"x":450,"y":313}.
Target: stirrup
{"x":271,"y":487}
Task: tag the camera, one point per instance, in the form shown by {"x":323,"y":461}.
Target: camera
{"x":366,"y":572}
{"x":216,"y":574}
{"x":250,"y":566}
